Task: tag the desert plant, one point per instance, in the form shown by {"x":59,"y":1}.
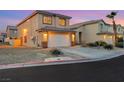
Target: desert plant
{"x":56,"y":52}
{"x":100,"y":43}
{"x":108,"y":46}
{"x":112,"y":17}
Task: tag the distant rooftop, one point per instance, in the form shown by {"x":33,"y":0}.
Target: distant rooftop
{"x":90,"y":22}
{"x":11,"y":27}
{"x":86,"y":23}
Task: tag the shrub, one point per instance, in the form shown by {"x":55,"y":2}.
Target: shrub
{"x":100,"y":43}
{"x":56,"y":52}
{"x":120,"y":39}
{"x":108,"y":46}
{"x":119,"y":44}
{"x":92,"y":44}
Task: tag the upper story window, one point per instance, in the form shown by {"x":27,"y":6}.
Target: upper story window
{"x":101,"y":27}
{"x":47,"y":20}
{"x":62,"y":22}
{"x":119,"y":29}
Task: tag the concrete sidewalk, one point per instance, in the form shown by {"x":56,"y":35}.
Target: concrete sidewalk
{"x":92,"y":52}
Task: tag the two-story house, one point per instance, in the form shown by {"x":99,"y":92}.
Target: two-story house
{"x":95,"y":30}
{"x":46,"y":29}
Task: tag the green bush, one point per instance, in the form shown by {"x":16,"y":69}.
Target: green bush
{"x":97,"y":43}
{"x":108,"y":46}
{"x":100,"y":43}
{"x":120,"y":39}
{"x":119,"y":44}
{"x":56,"y":52}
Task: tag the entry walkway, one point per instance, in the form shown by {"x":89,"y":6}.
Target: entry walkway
{"x":92,"y":52}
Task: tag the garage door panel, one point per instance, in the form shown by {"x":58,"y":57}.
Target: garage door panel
{"x":58,"y":40}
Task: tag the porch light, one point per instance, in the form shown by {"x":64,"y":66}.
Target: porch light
{"x":104,"y":36}
{"x":110,"y":37}
{"x":25,"y":32}
{"x":73,"y":37}
{"x":45,"y":37}
{"x":119,"y":36}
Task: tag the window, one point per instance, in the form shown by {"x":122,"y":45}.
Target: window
{"x":101,"y":27}
{"x":62,"y":22}
{"x":47,"y":20}
{"x":119,"y":29}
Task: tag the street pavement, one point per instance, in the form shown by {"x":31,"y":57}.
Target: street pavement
{"x":111,"y":70}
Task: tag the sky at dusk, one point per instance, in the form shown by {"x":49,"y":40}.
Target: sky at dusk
{"x":13,"y":17}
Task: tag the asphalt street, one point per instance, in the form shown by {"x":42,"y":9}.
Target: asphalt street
{"x":111,"y":70}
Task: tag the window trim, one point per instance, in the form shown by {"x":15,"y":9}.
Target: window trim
{"x":47,"y":16}
{"x":65,"y":22}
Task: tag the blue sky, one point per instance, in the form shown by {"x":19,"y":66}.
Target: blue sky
{"x":13,"y":17}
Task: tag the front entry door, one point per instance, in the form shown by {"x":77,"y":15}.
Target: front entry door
{"x":21,"y":38}
{"x":80,"y":37}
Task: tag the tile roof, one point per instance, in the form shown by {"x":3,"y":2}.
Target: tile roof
{"x":12,"y":27}
{"x":55,"y":29}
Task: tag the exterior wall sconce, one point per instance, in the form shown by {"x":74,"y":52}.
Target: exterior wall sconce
{"x":45,"y":36}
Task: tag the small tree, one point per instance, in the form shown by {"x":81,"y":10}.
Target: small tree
{"x":112,"y":16}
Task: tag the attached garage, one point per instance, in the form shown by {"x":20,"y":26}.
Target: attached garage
{"x":108,"y":39}
{"x":59,"y":39}
{"x":56,"y":37}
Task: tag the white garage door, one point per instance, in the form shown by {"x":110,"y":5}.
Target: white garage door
{"x":109,"y":40}
{"x":59,"y":40}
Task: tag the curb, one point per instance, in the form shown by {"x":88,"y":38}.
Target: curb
{"x":20,"y":65}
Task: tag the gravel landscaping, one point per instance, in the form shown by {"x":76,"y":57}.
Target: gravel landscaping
{"x":22,"y":55}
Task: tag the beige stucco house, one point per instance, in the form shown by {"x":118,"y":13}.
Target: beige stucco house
{"x":95,"y":30}
{"x":45,"y":29}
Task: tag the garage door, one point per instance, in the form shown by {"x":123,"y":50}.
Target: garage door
{"x":59,"y":39}
{"x":109,"y":40}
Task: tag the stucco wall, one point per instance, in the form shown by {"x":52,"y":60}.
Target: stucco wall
{"x":55,"y":22}
{"x":31,"y":26}
{"x":89,"y":33}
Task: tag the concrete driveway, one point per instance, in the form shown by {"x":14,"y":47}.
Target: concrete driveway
{"x":94,"y":52}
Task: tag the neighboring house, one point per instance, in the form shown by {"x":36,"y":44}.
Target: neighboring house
{"x":2,"y":37}
{"x":11,"y":32}
{"x":95,"y":30}
{"x":45,"y":29}
{"x":12,"y":36}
